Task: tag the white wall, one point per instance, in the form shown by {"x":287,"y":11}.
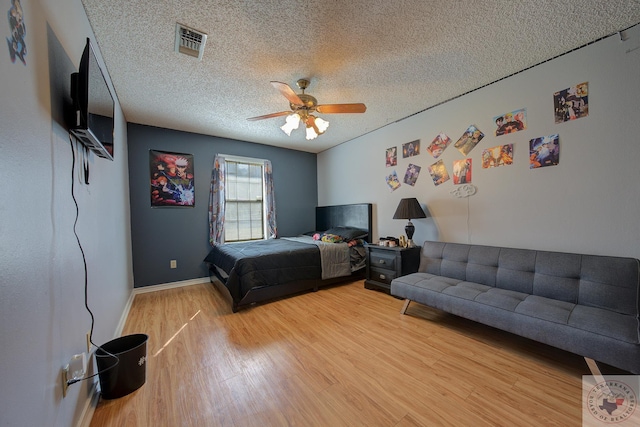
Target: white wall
{"x":43,"y":320}
{"x":589,"y":203}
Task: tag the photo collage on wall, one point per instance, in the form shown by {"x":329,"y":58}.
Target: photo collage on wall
{"x":569,"y":104}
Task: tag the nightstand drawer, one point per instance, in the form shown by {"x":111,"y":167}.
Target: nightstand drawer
{"x":385,"y":263}
{"x":381,"y":275}
{"x":382,"y":259}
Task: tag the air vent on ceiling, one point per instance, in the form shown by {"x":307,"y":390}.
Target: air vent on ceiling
{"x":189,"y":41}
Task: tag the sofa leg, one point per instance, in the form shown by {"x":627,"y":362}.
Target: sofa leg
{"x":405,"y":306}
{"x":597,"y":375}
{"x":593,"y":367}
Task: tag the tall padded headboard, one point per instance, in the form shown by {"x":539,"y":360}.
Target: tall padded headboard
{"x":356,"y":215}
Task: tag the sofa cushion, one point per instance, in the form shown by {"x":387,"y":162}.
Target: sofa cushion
{"x":431,"y":258}
{"x":546,"y":309}
{"x":466,"y":290}
{"x":454,"y":261}
{"x":610,"y":283}
{"x":557,"y":276}
{"x":482,"y":266}
{"x":516,"y":268}
{"x":605,"y":322}
{"x":501,"y":298}
{"x":437,"y":283}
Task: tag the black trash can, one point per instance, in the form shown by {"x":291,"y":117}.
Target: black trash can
{"x":119,"y":377}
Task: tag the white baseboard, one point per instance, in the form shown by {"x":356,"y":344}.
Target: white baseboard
{"x":171,"y":285}
{"x":123,"y":317}
{"x":89,"y":406}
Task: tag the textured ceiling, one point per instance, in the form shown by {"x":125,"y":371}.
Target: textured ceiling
{"x":398,"y":57}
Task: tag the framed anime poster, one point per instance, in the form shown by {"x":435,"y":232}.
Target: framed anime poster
{"x":438,"y":172}
{"x":571,"y":103}
{"x":172,"y":182}
{"x":544,"y":151}
{"x":469,"y":139}
{"x":411,"y":149}
{"x":438,"y":145}
{"x":411,"y":175}
{"x":462,"y":171}
{"x":511,"y":122}
{"x":392,"y":181}
{"x":500,"y":155}
{"x":391,"y":157}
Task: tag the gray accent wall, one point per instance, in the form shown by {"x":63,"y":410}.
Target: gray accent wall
{"x":160,"y":235}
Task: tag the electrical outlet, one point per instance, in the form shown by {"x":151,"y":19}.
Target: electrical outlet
{"x":89,"y":342}
{"x":76,"y":368}
{"x":173,"y":263}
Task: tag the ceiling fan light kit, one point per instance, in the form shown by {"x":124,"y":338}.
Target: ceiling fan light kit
{"x":303,"y":106}
{"x":291,"y":123}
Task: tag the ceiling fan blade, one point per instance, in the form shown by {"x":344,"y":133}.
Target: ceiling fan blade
{"x":288,"y":93}
{"x":341,"y":108}
{"x":268,"y":116}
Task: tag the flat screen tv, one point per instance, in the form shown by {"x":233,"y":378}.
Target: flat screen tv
{"x":93,"y":106}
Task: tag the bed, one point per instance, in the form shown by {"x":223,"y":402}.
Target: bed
{"x":259,"y":271}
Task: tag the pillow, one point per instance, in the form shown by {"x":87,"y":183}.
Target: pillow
{"x":331,"y":238}
{"x":348,"y":233}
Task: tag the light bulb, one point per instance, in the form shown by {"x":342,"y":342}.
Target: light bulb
{"x":322,"y":125}
{"x":311,"y":133}
{"x":292,"y":122}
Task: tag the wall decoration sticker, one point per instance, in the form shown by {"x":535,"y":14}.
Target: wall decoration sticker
{"x":438,"y":145}
{"x":469,"y":140}
{"x":462,"y":171}
{"x":464,"y":191}
{"x":572,"y":103}
{"x":391,"y":156}
{"x":172,"y":182}
{"x":411,"y":148}
{"x":392,"y":181}
{"x":544,"y":151}
{"x":438,"y":172}
{"x":411,"y":175}
{"x":16,"y":44}
{"x":511,"y":122}
{"x":500,"y":155}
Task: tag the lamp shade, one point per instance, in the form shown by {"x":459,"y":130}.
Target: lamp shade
{"x":409,"y":209}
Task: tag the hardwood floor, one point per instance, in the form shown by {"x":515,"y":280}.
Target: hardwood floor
{"x":342,"y":356}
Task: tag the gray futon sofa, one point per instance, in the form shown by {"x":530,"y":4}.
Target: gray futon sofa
{"x":584,"y":304}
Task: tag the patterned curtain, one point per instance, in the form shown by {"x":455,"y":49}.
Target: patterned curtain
{"x":216,"y":202}
{"x":270,"y":202}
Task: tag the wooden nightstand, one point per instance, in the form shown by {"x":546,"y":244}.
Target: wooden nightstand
{"x":386,"y":263}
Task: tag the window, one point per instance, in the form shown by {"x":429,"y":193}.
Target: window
{"x":242,"y":203}
{"x":244,"y":196}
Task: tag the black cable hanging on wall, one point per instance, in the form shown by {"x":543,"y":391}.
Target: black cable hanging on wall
{"x":85,"y":177}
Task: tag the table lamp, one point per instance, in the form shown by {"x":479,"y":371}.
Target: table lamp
{"x":408,"y":209}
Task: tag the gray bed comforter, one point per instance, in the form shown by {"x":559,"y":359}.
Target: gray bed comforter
{"x":272,"y":262}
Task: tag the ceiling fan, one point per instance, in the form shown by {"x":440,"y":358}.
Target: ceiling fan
{"x":302,"y":108}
